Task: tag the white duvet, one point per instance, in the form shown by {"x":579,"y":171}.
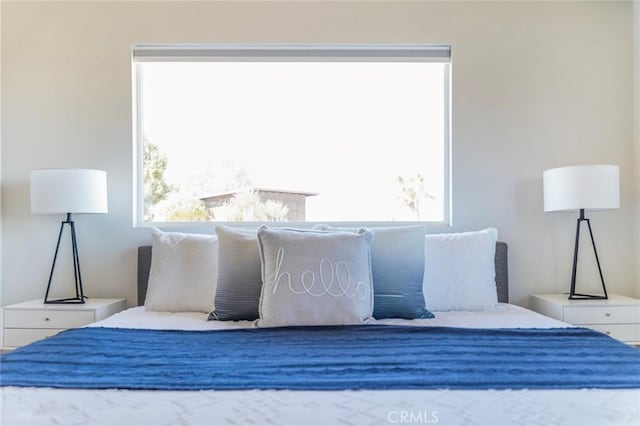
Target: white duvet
{"x":44,"y":406}
{"x":503,"y":316}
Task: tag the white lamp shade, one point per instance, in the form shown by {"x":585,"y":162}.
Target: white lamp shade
{"x":592,"y":187}
{"x":55,"y":191}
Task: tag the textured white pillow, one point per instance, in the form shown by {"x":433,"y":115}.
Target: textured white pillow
{"x":315,"y":278}
{"x":459,"y":271}
{"x":184,"y":270}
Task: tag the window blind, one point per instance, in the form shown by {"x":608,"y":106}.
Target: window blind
{"x":291,"y":52}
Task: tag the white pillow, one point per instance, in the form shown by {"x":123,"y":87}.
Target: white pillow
{"x":459,"y":271}
{"x":315,"y":278}
{"x":183,"y":275}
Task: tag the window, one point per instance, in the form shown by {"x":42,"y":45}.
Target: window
{"x":291,"y":133}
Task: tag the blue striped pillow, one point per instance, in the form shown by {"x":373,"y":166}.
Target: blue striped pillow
{"x":239,"y":275}
{"x":397,"y":263}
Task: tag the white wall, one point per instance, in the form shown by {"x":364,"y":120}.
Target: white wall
{"x":535,"y":85}
{"x":1,"y":304}
{"x":636,"y":77}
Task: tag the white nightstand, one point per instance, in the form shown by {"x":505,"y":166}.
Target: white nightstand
{"x":27,"y":322}
{"x":618,"y":316}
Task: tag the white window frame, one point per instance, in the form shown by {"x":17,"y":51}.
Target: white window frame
{"x":274,"y":53}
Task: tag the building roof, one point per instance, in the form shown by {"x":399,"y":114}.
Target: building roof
{"x":259,"y":190}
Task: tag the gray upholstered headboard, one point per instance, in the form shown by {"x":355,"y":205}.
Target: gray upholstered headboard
{"x":502,"y":272}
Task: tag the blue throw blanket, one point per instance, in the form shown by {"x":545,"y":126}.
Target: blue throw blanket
{"x":325,"y":358}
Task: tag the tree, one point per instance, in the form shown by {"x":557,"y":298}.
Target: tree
{"x":248,"y":206}
{"x":274,"y":211}
{"x":194,"y":211}
{"x":185,"y":203}
{"x":154,"y":166}
{"x":413,"y":191}
{"x":217,"y":176}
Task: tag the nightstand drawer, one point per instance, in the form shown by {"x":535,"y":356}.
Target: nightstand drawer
{"x":15,"y":337}
{"x":624,"y":332}
{"x":25,"y":318}
{"x":602,"y":314}
{"x":33,"y":320}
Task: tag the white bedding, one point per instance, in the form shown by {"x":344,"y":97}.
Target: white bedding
{"x":503,"y":316}
{"x":43,"y":406}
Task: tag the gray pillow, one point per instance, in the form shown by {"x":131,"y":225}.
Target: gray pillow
{"x":314,"y":277}
{"x":239,"y":276}
{"x":397,"y":262}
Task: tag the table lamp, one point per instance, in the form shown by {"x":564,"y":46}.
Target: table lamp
{"x":68,"y":191}
{"x":591,"y":187}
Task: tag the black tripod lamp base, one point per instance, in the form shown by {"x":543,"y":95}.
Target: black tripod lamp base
{"x":580,"y":296}
{"x":576,"y":296}
{"x":79,"y":297}
{"x":65,"y":301}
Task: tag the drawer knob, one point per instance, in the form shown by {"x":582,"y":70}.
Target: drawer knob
{"x":608,"y":333}
{"x":607,"y":314}
{"x":46,"y":319}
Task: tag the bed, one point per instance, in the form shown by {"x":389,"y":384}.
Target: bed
{"x":548,"y":401}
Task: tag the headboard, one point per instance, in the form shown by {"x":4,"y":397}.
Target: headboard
{"x":502,"y":272}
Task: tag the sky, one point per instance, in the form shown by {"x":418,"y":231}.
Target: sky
{"x":345,"y":130}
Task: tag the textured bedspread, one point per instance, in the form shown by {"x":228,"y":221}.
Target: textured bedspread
{"x":325,"y":358}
